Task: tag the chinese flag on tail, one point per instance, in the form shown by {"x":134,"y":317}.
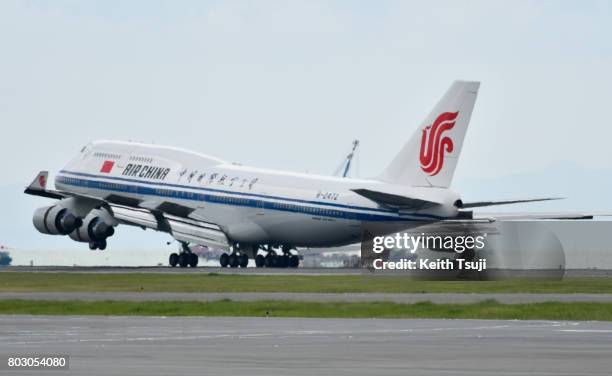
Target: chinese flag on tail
{"x":107,"y":166}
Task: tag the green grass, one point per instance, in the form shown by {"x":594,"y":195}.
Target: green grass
{"x":159,"y":282}
{"x":483,"y":310}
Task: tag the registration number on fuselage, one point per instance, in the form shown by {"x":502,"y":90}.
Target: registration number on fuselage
{"x":325,"y":195}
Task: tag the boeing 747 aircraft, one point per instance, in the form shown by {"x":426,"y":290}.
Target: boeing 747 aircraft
{"x":261,"y":214}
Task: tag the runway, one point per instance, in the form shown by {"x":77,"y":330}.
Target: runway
{"x":177,"y":270}
{"x":266,"y":346}
{"x":555,"y":274}
{"x":507,"y":298}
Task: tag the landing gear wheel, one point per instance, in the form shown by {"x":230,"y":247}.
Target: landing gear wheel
{"x":183,"y":260}
{"x":93,"y":245}
{"x":270,"y":261}
{"x":224,"y":260}
{"x":283,"y":261}
{"x":233,"y":260}
{"x":102,"y":245}
{"x":243,"y":260}
{"x":294,"y":261}
{"x":193,"y":260}
{"x":173,"y":260}
{"x":259,"y":261}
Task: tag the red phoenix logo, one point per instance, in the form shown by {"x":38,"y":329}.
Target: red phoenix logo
{"x":433,"y":145}
{"x":42,"y":181}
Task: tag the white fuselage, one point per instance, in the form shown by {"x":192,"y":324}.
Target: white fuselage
{"x":251,"y":205}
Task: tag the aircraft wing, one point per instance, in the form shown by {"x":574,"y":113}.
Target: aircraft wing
{"x":180,"y":228}
{"x":167,"y":207}
{"x":176,"y":219}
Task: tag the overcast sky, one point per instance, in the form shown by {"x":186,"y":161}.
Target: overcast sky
{"x":288,"y":85}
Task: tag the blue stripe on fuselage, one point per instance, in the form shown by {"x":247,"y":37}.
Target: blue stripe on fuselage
{"x":236,"y":201}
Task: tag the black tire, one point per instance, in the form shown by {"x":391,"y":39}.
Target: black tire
{"x":93,"y":246}
{"x":294,"y":261}
{"x":233,"y":260}
{"x":243,"y":260}
{"x":193,"y":260}
{"x":270,"y":261}
{"x":183,"y":260}
{"x":102,"y":245}
{"x":259,"y":261}
{"x":173,"y":260}
{"x":283,"y":261}
{"x":224,"y":260}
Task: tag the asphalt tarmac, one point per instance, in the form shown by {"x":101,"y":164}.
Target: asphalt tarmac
{"x":555,"y":274}
{"x":178,"y":270}
{"x":513,"y":298}
{"x":296,"y":346}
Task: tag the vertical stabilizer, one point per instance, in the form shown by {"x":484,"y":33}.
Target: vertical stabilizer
{"x":430,"y":156}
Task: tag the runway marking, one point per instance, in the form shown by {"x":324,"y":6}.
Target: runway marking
{"x":270,"y":346}
{"x":586,"y":330}
{"x":302,"y":333}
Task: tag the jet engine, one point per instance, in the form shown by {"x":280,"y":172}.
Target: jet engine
{"x":55,"y":220}
{"x":97,"y":227}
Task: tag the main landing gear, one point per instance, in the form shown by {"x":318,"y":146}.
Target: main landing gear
{"x":239,"y":256}
{"x":185,"y":258}
{"x":281,"y":257}
{"x":272,"y":259}
{"x":234,"y":260}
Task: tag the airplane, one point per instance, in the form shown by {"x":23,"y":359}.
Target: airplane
{"x":261,"y":214}
{"x":345,"y":167}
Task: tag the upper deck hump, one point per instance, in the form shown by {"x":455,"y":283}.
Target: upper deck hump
{"x":172,"y":153}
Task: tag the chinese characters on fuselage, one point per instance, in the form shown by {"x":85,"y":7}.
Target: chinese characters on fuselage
{"x":160,"y":173}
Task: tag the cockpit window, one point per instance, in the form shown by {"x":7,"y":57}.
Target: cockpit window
{"x":85,"y":150}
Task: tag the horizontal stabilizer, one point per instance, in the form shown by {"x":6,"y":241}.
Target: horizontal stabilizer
{"x":537,"y":216}
{"x":480,"y":204}
{"x":38,"y":187}
{"x":394,"y":201}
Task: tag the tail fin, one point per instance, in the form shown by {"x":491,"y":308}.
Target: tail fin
{"x":430,"y":156}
